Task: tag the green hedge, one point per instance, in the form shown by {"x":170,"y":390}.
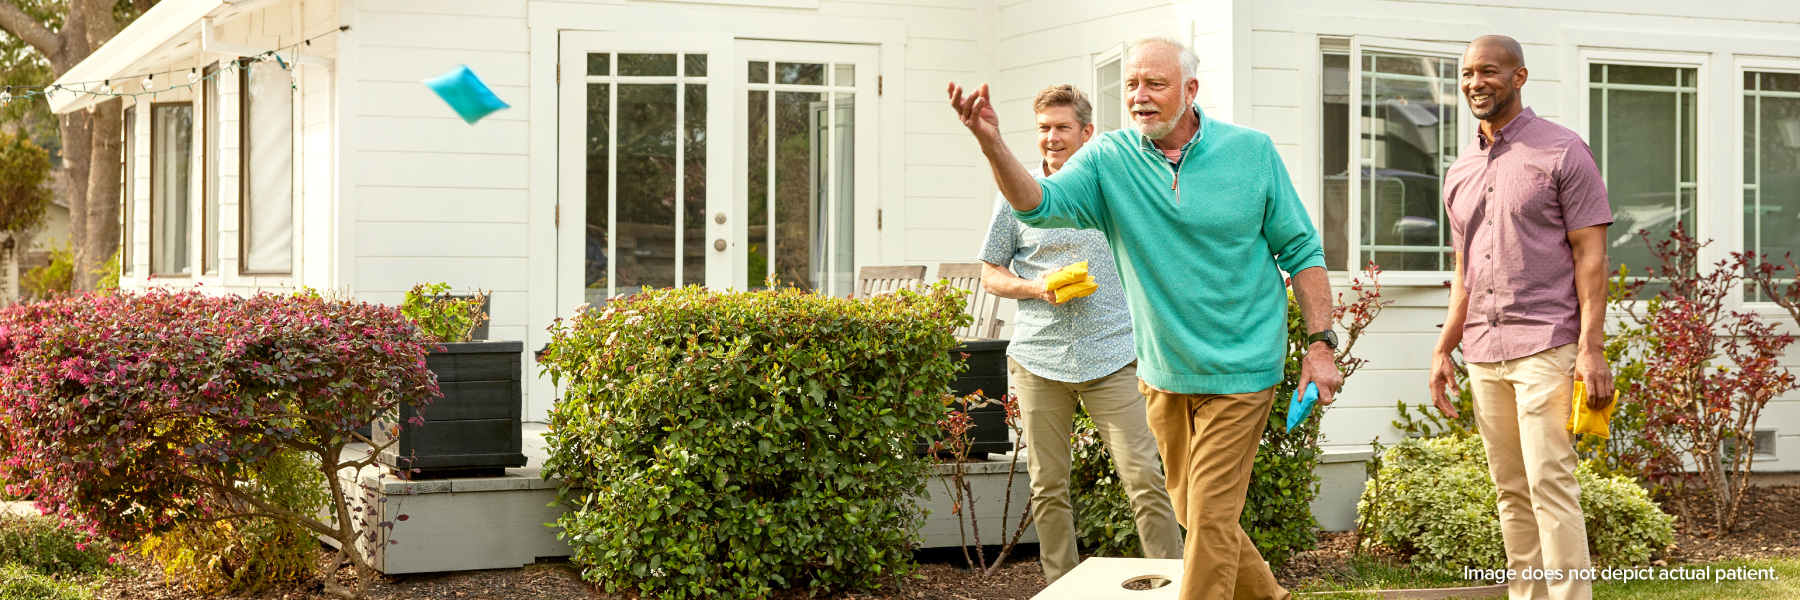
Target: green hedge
{"x":48,"y":547}
{"x":724,"y":445}
{"x":1434,"y":501}
{"x":1277,"y":508}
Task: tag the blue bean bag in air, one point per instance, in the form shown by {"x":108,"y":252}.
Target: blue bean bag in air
{"x":465,"y":93}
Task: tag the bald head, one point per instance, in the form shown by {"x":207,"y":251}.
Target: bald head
{"x":1501,"y":48}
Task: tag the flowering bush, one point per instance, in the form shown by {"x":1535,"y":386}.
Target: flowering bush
{"x":724,"y":445}
{"x":133,"y":413}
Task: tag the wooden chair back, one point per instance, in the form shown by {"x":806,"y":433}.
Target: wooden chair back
{"x":875,"y":280}
{"x":983,"y":306}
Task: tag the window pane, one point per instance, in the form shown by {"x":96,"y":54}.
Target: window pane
{"x":1409,"y":120}
{"x":127,"y":193}
{"x":842,"y":207}
{"x":599,"y":149}
{"x":757,"y":259}
{"x":1644,"y":143}
{"x":696,"y":65}
{"x":695,"y":245}
{"x":1334,"y":88}
{"x":800,"y":73}
{"x":1781,"y":82}
{"x":794,"y":181}
{"x":759,"y":71}
{"x":647,"y":65}
{"x":1772,"y":170}
{"x":646,"y":187}
{"x":170,"y":159}
{"x":1108,"y":110}
{"x":843,"y":75}
{"x":269,"y":180}
{"x":599,"y":64}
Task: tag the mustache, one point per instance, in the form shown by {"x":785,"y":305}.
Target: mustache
{"x":1145,"y":108}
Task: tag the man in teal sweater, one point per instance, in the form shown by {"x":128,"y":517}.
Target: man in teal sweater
{"x":1202,"y":221}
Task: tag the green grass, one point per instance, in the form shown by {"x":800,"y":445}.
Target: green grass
{"x":1365,"y":573}
{"x":17,"y":582}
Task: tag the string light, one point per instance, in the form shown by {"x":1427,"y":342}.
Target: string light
{"x":105,"y":88}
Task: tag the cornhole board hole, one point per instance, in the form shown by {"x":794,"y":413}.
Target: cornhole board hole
{"x":1101,"y":578}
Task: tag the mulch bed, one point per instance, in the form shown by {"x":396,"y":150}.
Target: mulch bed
{"x":1769,"y":527}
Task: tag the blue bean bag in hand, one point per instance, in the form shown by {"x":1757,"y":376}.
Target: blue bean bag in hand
{"x":465,"y":93}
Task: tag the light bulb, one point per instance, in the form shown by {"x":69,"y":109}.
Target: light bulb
{"x":149,"y":82}
{"x":6,"y":96}
{"x":106,"y":88}
{"x":193,"y":75}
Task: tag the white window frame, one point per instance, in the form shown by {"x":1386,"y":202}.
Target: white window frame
{"x":1706,"y":216}
{"x":1353,"y":225}
{"x":1740,"y":66}
{"x":1095,"y":61}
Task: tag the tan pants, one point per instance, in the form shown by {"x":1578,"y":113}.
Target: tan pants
{"x":1048,"y":410}
{"x":1522,"y":408}
{"x":1209,"y":443}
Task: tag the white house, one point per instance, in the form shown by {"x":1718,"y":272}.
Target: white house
{"x":655,"y":142}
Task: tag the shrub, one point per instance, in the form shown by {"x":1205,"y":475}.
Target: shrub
{"x":134,"y":413}
{"x":716,"y":444}
{"x":1434,"y":502}
{"x":1278,"y":505}
{"x":444,"y":318}
{"x":212,"y":557}
{"x":52,"y":279}
{"x":20,"y":583}
{"x":47,"y":547}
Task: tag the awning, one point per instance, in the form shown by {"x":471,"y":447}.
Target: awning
{"x":166,"y":34}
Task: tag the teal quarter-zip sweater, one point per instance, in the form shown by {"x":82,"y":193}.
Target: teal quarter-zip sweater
{"x":1201,"y":248}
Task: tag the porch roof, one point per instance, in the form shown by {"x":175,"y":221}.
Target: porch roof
{"x":167,"y":33}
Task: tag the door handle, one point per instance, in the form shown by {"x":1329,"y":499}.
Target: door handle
{"x":719,"y":244}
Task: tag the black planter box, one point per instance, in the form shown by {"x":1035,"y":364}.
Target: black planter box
{"x":474,"y":428}
{"x":987,"y":374}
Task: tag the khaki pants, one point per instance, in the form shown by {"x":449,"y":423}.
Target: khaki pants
{"x":1048,"y":410}
{"x":1522,"y":408}
{"x":1209,"y":443}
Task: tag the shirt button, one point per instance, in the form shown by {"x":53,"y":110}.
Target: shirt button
{"x":1490,"y":189}
{"x":1490,"y":290}
{"x":1487,"y":256}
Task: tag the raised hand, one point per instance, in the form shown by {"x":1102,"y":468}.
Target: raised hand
{"x":976,"y":111}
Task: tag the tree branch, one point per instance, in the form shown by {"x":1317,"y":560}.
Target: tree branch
{"x":22,"y":26}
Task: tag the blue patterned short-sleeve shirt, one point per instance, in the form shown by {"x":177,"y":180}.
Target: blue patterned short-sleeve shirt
{"x":1083,"y":339}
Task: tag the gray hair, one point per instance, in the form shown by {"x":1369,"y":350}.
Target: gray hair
{"x":1190,"y":62}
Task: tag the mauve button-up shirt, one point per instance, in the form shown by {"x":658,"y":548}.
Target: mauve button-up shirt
{"x":1511,"y":202}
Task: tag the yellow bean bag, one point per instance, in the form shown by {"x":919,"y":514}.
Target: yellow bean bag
{"x":1077,"y":290}
{"x":1587,"y":420}
{"x":1069,"y":275}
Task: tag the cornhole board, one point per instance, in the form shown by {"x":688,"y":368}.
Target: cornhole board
{"x":1102,"y":578}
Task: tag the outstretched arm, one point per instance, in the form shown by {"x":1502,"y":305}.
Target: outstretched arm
{"x":977,"y":113}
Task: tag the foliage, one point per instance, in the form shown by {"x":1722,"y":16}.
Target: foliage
{"x":1435,"y":503}
{"x":718,"y":444}
{"x":44,"y":546}
{"x":134,"y":413}
{"x":1707,"y":371}
{"x":52,"y":279}
{"x":956,"y":444}
{"x":211,"y":557}
{"x":1628,"y":452}
{"x":20,"y":583}
{"x":1278,"y":506}
{"x":24,"y":184}
{"x":1431,"y":422}
{"x":442,"y":317}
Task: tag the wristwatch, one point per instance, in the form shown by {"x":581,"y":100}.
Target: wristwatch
{"x":1328,"y":336}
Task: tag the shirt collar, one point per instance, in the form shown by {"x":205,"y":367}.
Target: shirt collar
{"x":1518,"y":123}
{"x":1146,"y":143}
{"x":1044,"y":168}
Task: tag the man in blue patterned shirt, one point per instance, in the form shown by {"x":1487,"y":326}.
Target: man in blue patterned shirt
{"x":1079,"y":350}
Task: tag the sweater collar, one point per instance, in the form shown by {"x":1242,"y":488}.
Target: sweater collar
{"x":1146,"y":143}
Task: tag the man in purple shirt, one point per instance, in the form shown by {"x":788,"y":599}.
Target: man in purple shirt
{"x":1528,"y":217}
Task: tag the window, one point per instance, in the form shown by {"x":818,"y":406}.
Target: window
{"x":126,"y":175}
{"x":1389,"y":209}
{"x":1641,"y":127}
{"x":171,"y":154}
{"x":1771,"y":167}
{"x":209,"y":212}
{"x":1109,"y":91}
{"x":267,"y":169}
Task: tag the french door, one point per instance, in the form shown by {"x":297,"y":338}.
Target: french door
{"x":697,"y":159}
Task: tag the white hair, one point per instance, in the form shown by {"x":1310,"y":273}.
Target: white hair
{"x":1190,"y":62}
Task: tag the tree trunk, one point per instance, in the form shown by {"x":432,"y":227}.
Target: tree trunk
{"x":102,"y":206}
{"x":77,"y":128}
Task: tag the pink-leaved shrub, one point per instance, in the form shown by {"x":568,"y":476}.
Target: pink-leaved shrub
{"x":132,"y":413}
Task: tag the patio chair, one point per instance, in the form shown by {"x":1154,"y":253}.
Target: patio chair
{"x":879,"y":280}
{"x":983,"y":306}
